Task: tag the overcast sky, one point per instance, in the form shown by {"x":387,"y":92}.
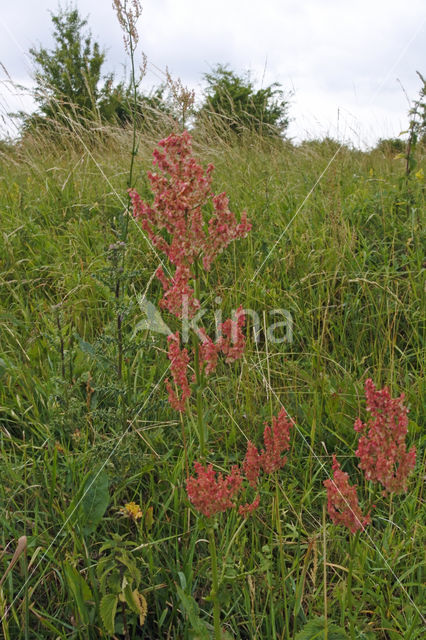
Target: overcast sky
{"x":344,"y":60}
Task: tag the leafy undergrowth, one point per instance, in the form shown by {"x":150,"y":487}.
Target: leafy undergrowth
{"x":81,"y":439}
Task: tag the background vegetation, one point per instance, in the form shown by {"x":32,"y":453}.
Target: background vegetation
{"x":81,"y":437}
{"x":349,"y":267}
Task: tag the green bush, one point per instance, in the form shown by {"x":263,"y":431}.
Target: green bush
{"x":233,"y":102}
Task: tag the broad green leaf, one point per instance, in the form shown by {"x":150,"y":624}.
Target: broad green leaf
{"x":108,"y":609}
{"x":131,"y":565}
{"x":94,"y":502}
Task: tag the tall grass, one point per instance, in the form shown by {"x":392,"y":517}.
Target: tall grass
{"x":349,"y":267}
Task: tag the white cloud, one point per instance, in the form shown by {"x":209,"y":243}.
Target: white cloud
{"x":336,"y":54}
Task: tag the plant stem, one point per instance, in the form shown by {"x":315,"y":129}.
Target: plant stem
{"x":325,"y":574}
{"x":133,"y":152}
{"x":353,"y":547}
{"x":61,"y":342}
{"x":215,"y":585}
{"x":282,"y":559}
{"x":198,"y":373}
{"x":201,"y":423}
{"x":119,"y":330}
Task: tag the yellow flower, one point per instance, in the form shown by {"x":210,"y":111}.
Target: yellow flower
{"x":420,"y":175}
{"x":132,"y":510}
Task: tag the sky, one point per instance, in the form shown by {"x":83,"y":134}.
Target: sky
{"x":349,"y":65}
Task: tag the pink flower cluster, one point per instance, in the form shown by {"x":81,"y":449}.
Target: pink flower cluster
{"x":231,"y":342}
{"x":210,"y":494}
{"x":179,"y":360}
{"x":342,"y":501}
{"x":382,"y":453}
{"x":209,"y":351}
{"x":174,"y":221}
{"x":381,"y":449}
{"x":178,"y":296}
{"x":175,"y":224}
{"x":276,"y":440}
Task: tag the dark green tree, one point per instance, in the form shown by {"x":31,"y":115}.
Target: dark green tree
{"x":239,"y":106}
{"x":68,"y":76}
{"x":70,"y":87}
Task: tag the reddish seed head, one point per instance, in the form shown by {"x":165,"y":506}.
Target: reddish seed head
{"x":174,"y":221}
{"x":210,"y":494}
{"x":276,"y":440}
{"x":381,"y":446}
{"x":232,"y":341}
{"x":175,"y":225}
{"x":179,"y":361}
{"x":342,"y":501}
{"x":252,"y":464}
{"x":247,"y":509}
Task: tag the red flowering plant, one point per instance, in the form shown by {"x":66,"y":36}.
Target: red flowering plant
{"x":342,"y":500}
{"x":178,"y":225}
{"x":382,"y":453}
{"x":276,"y":440}
{"x":381,"y":447}
{"x":211,"y":494}
{"x":383,"y":458}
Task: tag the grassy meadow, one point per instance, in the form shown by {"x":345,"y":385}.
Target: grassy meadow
{"x":344,"y":257}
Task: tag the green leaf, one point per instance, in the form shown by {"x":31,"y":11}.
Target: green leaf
{"x":80,"y":590}
{"x":86,"y":347}
{"x":314,"y":630}
{"x":95,"y":501}
{"x":136,"y":602}
{"x":192,"y":610}
{"x":131,"y":566}
{"x":108,"y":608}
